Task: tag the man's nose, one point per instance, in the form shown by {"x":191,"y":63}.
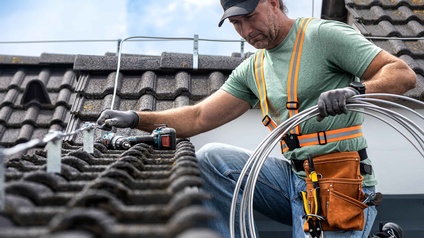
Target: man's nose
{"x":246,"y":29}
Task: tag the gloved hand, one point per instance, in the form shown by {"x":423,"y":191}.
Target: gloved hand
{"x":121,"y":119}
{"x":333,"y":102}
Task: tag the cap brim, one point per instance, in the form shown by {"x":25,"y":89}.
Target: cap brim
{"x":243,"y":8}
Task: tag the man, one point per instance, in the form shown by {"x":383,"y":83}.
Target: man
{"x":332,"y":56}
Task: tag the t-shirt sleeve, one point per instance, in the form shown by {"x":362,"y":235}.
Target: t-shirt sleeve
{"x":345,"y":48}
{"x":239,"y":83}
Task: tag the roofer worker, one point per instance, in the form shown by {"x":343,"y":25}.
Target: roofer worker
{"x":300,"y":63}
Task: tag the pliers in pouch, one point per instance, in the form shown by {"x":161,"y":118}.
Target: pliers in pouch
{"x":313,"y":218}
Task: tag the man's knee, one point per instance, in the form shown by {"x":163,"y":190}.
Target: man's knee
{"x":222,"y":157}
{"x":207,"y":153}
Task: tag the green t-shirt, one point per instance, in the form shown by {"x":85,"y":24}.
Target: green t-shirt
{"x":333,"y":55}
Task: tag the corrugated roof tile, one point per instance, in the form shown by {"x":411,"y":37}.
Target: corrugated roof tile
{"x":11,"y":97}
{"x":63,"y":98}
{"x":416,"y":28}
{"x":68,"y":80}
{"x":17,"y":79}
{"x":181,"y":101}
{"x":26,"y":133}
{"x":388,"y":29}
{"x":24,"y":122}
{"x":413,"y":63}
{"x":133,"y":86}
{"x":60,"y":115}
{"x":5,"y":113}
{"x":30,"y":116}
{"x":9,"y":136}
{"x":146,"y":102}
{"x":403,"y":19}
{"x":130,"y":190}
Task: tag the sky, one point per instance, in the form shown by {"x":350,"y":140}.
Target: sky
{"x":95,"y":26}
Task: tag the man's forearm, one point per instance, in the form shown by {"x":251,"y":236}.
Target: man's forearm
{"x":214,"y":111}
{"x":181,"y":119}
{"x":398,"y":79}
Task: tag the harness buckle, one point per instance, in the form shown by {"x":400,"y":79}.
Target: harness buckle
{"x":322,"y":134}
{"x":266,"y":120}
{"x":292,"y":105}
{"x":292,"y":141}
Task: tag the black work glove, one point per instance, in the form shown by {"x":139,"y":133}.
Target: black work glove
{"x":120,"y":119}
{"x":333,"y":102}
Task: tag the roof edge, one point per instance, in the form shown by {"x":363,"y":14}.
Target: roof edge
{"x":174,"y":61}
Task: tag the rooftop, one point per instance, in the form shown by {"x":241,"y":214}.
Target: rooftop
{"x":139,"y":192}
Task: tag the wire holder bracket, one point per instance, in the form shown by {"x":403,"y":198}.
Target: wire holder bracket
{"x":54,"y":154}
{"x":88,"y":138}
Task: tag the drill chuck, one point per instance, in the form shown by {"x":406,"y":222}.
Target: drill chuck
{"x":113,"y":141}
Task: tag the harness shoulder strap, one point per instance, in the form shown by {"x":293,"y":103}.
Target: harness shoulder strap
{"x":292,"y":103}
{"x":293,"y":76}
{"x":260,"y":83}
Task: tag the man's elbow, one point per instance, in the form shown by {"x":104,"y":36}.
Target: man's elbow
{"x":410,"y":79}
{"x":407,"y":77}
{"x":413,"y":80}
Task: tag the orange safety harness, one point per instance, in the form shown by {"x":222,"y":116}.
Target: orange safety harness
{"x":318,"y":138}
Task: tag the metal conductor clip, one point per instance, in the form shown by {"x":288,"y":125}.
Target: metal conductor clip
{"x":88,"y":138}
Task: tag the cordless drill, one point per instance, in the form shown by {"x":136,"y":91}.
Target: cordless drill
{"x":162,"y":138}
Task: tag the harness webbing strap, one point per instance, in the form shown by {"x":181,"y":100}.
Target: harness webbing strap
{"x":292,"y":101}
{"x":319,"y":138}
{"x":324,"y":137}
{"x":260,"y":82}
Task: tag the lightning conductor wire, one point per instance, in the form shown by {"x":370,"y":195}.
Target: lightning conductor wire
{"x":273,"y":136}
{"x":263,"y":150}
{"x":253,"y":176}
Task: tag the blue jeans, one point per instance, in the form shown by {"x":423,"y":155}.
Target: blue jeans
{"x":277,"y":192}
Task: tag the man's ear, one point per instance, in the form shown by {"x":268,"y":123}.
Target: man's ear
{"x":274,"y":3}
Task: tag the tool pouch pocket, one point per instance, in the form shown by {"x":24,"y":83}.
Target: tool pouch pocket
{"x":340,"y":191}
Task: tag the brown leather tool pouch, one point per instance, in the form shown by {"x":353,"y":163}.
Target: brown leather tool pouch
{"x":340,"y":191}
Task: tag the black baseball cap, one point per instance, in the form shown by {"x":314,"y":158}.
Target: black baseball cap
{"x":237,"y":8}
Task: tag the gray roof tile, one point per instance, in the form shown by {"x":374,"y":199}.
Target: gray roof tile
{"x":5,"y":113}
{"x":47,"y":58}
{"x":10,"y":97}
{"x":393,"y":22}
{"x":122,"y":193}
{"x":173,"y":61}
{"x":25,"y":122}
{"x":170,"y":83}
{"x":384,"y":3}
{"x":17,"y":60}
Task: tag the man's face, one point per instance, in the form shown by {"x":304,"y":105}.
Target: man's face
{"x":259,"y":27}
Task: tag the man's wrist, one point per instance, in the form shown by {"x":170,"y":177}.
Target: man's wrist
{"x":358,"y":86}
{"x":135,"y":119}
